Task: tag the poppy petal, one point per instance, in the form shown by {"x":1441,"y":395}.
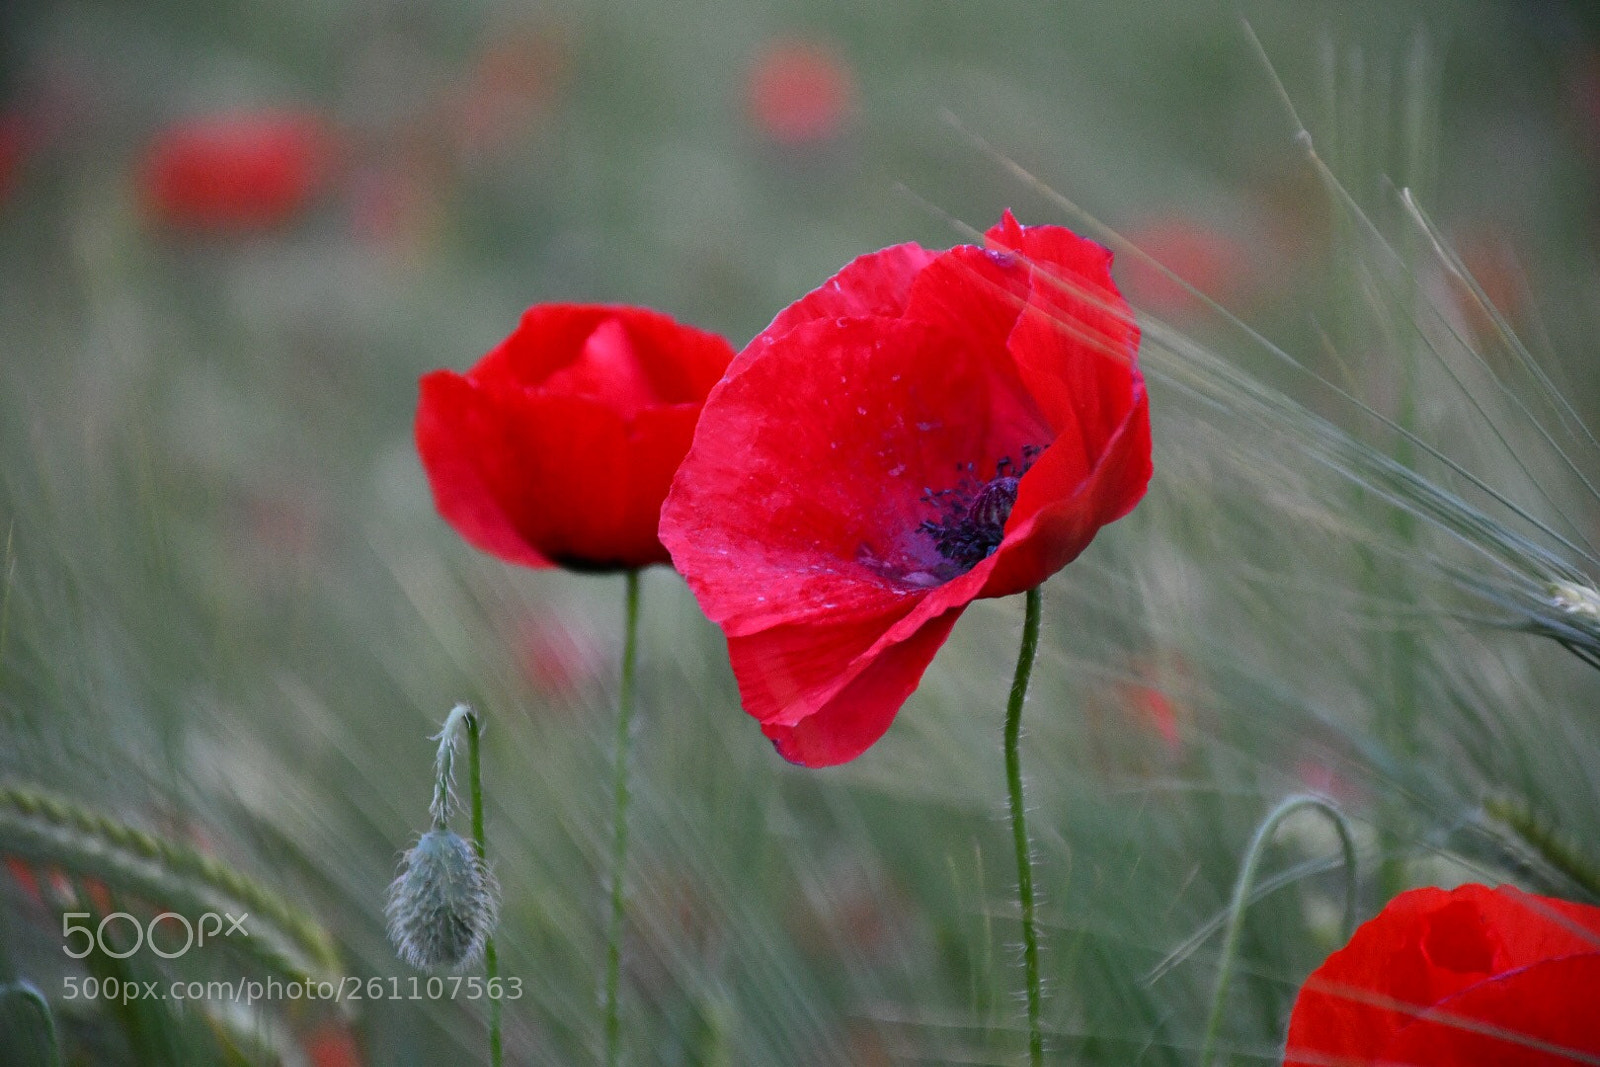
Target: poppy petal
{"x":647,"y":355}
{"x":876,"y":284}
{"x":656,"y":443}
{"x":1363,"y":994}
{"x":558,"y":447}
{"x":503,"y":472}
{"x":548,"y":338}
{"x":974,"y":293}
{"x":459,"y":432}
{"x":1059,"y":511}
{"x":573,"y":484}
{"x":1074,"y":347}
{"x":833,"y":671}
{"x":1426,"y":952}
{"x":787,"y":672}
{"x":1531,"y":928}
{"x":1541,"y":1015}
{"x":860,"y":712}
{"x":1052,"y":307}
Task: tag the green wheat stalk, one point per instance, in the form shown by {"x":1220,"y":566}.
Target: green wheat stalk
{"x":52,"y":831}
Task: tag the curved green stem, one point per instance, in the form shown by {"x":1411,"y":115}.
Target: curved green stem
{"x":1241,"y":899}
{"x":1019,"y":826}
{"x":619,"y":829}
{"x":491,"y":962}
{"x":20,"y":998}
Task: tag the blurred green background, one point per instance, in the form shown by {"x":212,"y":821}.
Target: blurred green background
{"x":230,"y":616}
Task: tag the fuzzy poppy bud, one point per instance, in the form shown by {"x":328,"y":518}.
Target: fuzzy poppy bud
{"x":443,"y":905}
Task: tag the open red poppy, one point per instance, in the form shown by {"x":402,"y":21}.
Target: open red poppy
{"x":1450,"y":979}
{"x":558,"y":447}
{"x":925,"y":429}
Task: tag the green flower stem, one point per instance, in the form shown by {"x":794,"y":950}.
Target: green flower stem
{"x":491,"y":962}
{"x":1019,"y":827}
{"x":619,"y":829}
{"x":1246,"y":884}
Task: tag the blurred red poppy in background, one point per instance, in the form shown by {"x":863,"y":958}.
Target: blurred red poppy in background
{"x":1490,"y":255}
{"x":799,"y":92}
{"x":924,"y":429}
{"x":13,"y":145}
{"x":513,"y":85}
{"x":558,"y":447}
{"x":22,"y":874}
{"x":1216,"y":264}
{"x":1449,"y":979}
{"x":236,"y":172}
{"x":558,"y":659}
{"x":1156,"y":699}
{"x":332,"y":1045}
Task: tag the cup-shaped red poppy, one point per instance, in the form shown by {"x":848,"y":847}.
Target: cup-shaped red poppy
{"x":1450,"y":979}
{"x":557,"y":449}
{"x":236,"y":172}
{"x":925,"y":429}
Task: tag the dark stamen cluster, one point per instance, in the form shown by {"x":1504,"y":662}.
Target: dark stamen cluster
{"x":974,"y":520}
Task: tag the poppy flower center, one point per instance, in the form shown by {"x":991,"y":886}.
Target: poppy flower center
{"x":974,"y":519}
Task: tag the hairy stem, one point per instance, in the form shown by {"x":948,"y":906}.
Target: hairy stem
{"x":619,"y":828}
{"x":491,"y":963}
{"x":1019,"y":826}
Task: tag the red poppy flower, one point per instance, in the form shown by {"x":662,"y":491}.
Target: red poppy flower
{"x":924,"y":429}
{"x":558,"y":447}
{"x":236,"y":172}
{"x":1451,"y":979}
